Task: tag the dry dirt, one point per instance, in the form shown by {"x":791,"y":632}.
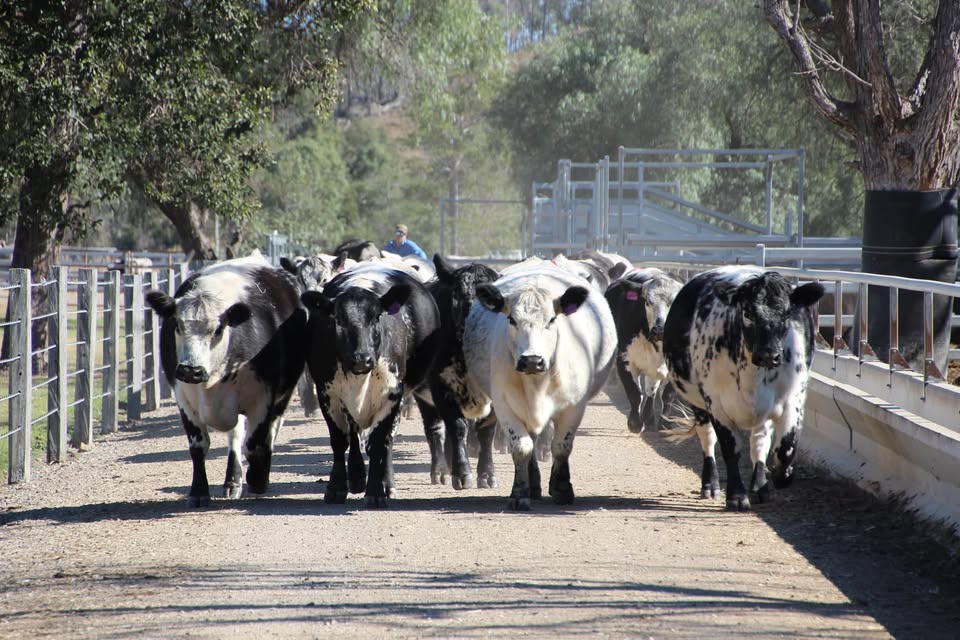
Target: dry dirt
{"x":104,"y":547}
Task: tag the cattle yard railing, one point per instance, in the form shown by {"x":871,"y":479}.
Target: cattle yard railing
{"x":101,"y":358}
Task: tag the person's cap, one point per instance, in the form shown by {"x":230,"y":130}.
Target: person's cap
{"x":401,"y":228}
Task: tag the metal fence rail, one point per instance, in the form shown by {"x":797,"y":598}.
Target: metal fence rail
{"x":115,"y":336}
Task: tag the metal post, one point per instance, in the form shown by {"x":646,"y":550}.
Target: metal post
{"x":133,"y":289}
{"x":86,"y":358}
{"x":58,"y":418}
{"x":769,"y":186}
{"x":110,"y":406}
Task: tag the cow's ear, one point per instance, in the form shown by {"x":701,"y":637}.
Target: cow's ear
{"x":617,"y":270}
{"x":807,"y":295}
{"x":237,"y":314}
{"x":571,"y":300}
{"x":162,"y":304}
{"x":316,"y":301}
{"x":444,"y":269}
{"x":288,"y":265}
{"x":340,"y":261}
{"x":632,"y":292}
{"x":490,"y":297}
{"x":393,"y":300}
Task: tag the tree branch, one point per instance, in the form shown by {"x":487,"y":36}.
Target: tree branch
{"x":937,"y":90}
{"x":870,"y":50}
{"x":780,"y":16}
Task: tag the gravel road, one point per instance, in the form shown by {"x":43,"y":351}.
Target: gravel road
{"x":104,"y":546}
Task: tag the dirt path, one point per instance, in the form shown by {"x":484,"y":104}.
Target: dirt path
{"x":104,"y":547}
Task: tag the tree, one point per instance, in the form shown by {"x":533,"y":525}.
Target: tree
{"x":890,"y":82}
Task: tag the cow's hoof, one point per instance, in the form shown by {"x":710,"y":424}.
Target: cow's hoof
{"x":738,"y":503}
{"x":710,"y":491}
{"x":536,"y":493}
{"x":377,"y":502}
{"x":257,"y":481}
{"x":519,"y":504}
{"x":438,"y":477}
{"x":232,"y":491}
{"x":463,"y":482}
{"x":487,"y":481}
{"x":198,"y":501}
{"x":634,"y":423}
{"x":335,"y":497}
{"x":764,"y":494}
{"x":358,"y":485}
{"x":562,"y":497}
{"x":783,"y":478}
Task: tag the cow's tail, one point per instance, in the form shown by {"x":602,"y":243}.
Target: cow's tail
{"x":684,"y":426}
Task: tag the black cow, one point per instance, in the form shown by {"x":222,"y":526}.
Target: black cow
{"x":454,"y":291}
{"x":739,"y":343}
{"x":374,"y":334}
{"x":232,"y":347}
{"x":359,"y":250}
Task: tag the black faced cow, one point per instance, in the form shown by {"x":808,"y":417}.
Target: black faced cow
{"x":232,"y":347}
{"x":739,"y":343}
{"x":454,"y":291}
{"x":373,"y":334}
{"x":639,"y":301}
{"x":538,"y":344}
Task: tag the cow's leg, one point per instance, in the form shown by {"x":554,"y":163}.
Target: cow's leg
{"x":760,"y":440}
{"x":198,"y":441}
{"x":709,"y":476}
{"x":258,"y":447}
{"x":336,"y":491}
{"x":485,"y":430}
{"x":566,"y":425}
{"x":521,"y":448}
{"x":233,"y":483}
{"x":634,"y":395}
{"x":788,"y":432}
{"x":461,"y":475}
{"x":544,"y":442}
{"x":379,"y":451}
{"x":307,"y":389}
{"x":356,"y":467}
{"x":737,"y":499}
{"x":652,"y":409}
{"x":433,"y":430}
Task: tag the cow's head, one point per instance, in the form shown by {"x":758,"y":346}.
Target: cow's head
{"x":462,"y":283}
{"x":202,"y":325}
{"x":357,"y":315}
{"x":764,"y":303}
{"x":532,"y":316}
{"x":651,"y":299}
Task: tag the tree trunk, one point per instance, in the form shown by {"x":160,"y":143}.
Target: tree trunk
{"x":188,"y":219}
{"x":37,"y":241}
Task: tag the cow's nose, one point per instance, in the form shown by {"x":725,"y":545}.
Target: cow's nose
{"x":766,"y":359}
{"x":531,"y":364}
{"x":656,"y":334}
{"x":362,"y":363}
{"x":191,"y":374}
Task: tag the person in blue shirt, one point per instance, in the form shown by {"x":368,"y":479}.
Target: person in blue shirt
{"x":403,"y":246}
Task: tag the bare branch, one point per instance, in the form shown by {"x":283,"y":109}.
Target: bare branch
{"x":779,"y":16}
{"x":870,"y":49}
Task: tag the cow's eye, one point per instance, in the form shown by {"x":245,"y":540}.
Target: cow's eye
{"x":551,"y":321}
{"x":218,"y":332}
{"x":511,"y":320}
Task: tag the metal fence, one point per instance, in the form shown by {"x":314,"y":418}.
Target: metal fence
{"x":98,"y":331}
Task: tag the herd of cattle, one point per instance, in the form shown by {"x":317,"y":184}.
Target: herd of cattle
{"x":522,"y":350}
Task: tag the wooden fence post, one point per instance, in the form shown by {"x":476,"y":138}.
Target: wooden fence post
{"x":133,"y":289}
{"x":58,"y":420}
{"x":151,"y":346}
{"x":111,"y":352}
{"x":21,"y":377}
{"x":86,"y":357}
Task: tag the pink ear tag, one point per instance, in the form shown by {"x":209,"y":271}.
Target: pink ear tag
{"x":633,"y":295}
{"x":393,"y":308}
{"x":570,"y":308}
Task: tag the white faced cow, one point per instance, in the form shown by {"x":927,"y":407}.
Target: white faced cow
{"x":739,"y":343}
{"x":639,"y":301}
{"x":538,"y":343}
{"x":373,"y":334}
{"x":232,"y":347}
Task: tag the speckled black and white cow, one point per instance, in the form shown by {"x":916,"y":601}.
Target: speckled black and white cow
{"x":440,"y":402}
{"x":373,"y":334}
{"x":538,"y":344}
{"x":739,"y":343}
{"x":639,"y":301}
{"x":232,"y":347}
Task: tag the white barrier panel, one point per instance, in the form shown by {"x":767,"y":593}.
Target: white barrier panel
{"x":886,"y":438}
